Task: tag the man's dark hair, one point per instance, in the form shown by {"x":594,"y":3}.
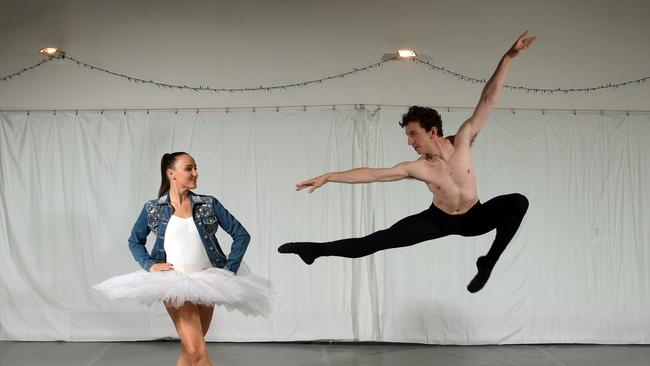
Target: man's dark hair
{"x":426,"y":117}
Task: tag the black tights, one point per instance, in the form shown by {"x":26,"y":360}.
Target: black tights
{"x":503,"y":213}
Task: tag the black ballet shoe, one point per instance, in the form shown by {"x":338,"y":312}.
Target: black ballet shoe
{"x":302,"y":249}
{"x":482,"y":276}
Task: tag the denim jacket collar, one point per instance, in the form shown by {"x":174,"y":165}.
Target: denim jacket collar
{"x":194,"y":199}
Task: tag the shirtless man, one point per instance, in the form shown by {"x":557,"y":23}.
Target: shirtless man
{"x":445,"y":166}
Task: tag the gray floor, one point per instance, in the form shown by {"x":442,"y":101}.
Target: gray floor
{"x":290,"y":354}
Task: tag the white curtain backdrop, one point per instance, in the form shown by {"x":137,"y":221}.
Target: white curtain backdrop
{"x":71,"y":186}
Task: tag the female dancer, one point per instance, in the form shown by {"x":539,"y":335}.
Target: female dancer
{"x":187,"y":269}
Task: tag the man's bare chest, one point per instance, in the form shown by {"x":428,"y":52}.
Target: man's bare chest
{"x":452,"y":172}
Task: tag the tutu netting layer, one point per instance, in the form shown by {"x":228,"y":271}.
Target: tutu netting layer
{"x":244,"y":292}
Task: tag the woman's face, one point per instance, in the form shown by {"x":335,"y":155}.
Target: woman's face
{"x":183,"y":175}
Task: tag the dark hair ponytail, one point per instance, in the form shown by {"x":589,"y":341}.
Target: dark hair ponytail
{"x":167,"y":162}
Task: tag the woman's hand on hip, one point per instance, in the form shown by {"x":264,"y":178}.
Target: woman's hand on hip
{"x":161,"y":267}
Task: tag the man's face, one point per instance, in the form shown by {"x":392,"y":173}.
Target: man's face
{"x":418,"y":137}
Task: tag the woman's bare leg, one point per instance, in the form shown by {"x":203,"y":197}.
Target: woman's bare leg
{"x":192,"y":323}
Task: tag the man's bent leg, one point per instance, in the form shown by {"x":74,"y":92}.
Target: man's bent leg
{"x":508,"y":211}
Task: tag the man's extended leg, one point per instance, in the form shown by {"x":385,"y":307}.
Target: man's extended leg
{"x":408,"y":231}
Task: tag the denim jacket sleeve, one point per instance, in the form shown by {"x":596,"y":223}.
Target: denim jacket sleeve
{"x":240,"y":237}
{"x":138,"y":239}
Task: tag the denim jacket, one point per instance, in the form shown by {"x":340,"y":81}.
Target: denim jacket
{"x":208,"y":214}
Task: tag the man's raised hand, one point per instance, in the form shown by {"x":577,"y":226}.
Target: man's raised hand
{"x":521,"y":44}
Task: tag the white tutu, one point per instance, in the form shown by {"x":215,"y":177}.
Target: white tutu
{"x":245,"y":292}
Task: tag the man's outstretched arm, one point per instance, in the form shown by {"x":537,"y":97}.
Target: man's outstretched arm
{"x":359,"y":175}
{"x":470,"y":128}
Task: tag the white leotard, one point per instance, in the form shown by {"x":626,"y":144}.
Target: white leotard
{"x":184,"y":247}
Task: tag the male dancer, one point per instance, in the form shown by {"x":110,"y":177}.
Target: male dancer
{"x":445,"y":166}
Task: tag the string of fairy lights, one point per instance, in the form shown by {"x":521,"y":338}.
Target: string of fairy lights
{"x":470,"y":79}
{"x":231,"y":90}
{"x":307,"y":83}
{"x":27,"y":69}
